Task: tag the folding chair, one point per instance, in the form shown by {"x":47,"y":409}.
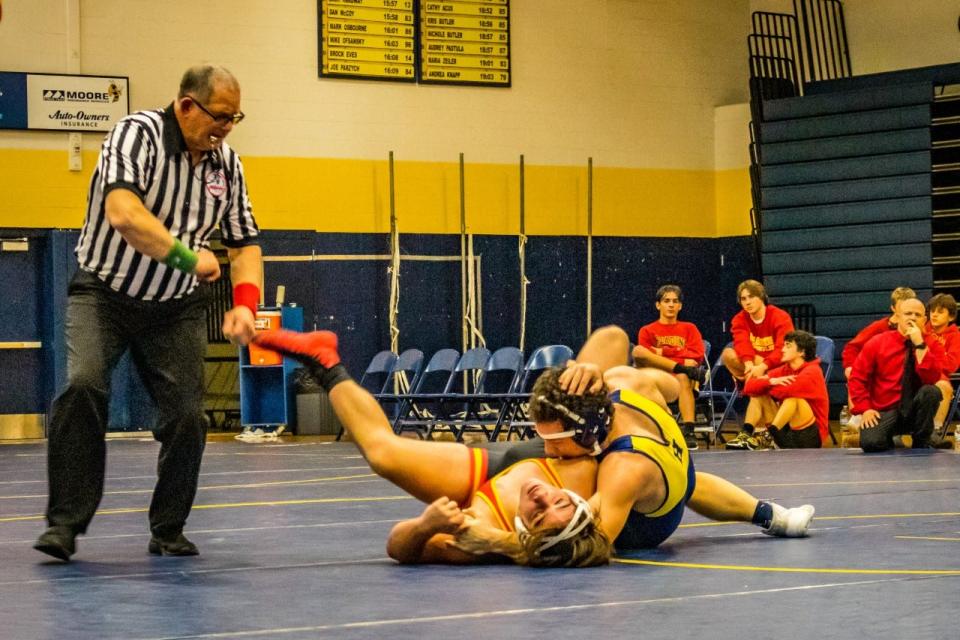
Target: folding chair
{"x":403,"y":377}
{"x":449,"y":408}
{"x":433,"y":385}
{"x":377,"y":373}
{"x":376,"y":376}
{"x":720,"y":389}
{"x":485,"y":408}
{"x":515,"y":409}
{"x":825,"y":350}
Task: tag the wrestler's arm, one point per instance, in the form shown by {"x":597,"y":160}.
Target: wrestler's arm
{"x":428,"y":538}
{"x":619,"y":485}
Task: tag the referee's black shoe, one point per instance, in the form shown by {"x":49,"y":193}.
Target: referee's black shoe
{"x":178,"y":546}
{"x":59,"y":542}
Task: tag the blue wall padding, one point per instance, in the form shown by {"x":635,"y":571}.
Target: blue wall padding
{"x":847,"y":213}
{"x":940,"y":74}
{"x":843,"y":102}
{"x":846,"y":124}
{"x":874,"y":143}
{"x":833,"y":281}
{"x":865,"y":166}
{"x":859,"y":235}
{"x":847,"y":191}
{"x":352,"y":297}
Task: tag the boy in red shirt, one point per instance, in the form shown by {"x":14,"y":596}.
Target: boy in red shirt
{"x":758,"y":332}
{"x":676,"y":347}
{"x":792,"y":399}
{"x":943,"y":313}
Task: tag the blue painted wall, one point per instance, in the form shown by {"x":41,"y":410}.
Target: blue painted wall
{"x":351,"y":297}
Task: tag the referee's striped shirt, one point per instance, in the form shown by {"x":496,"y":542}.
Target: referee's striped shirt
{"x":145,"y":153}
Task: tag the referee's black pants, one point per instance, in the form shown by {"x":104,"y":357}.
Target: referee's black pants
{"x":167,"y":342}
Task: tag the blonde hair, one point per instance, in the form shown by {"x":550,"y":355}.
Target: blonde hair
{"x":900,"y":294}
{"x":589,"y":548}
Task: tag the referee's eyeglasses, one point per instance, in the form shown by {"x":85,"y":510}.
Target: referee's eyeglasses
{"x":224,"y":119}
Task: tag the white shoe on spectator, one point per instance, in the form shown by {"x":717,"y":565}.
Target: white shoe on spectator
{"x":790,"y":523}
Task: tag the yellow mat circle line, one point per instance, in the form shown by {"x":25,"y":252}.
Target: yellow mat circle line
{"x":735,"y":567}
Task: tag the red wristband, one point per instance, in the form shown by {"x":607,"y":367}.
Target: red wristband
{"x":246,"y":294}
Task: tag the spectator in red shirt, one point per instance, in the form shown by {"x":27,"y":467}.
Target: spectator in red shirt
{"x":675,"y":347}
{"x":758,"y":332}
{"x":791,"y":399}
{"x":943,"y":314}
{"x":893,"y":382}
{"x":852,"y":349}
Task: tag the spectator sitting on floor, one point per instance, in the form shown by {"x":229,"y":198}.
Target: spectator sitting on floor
{"x":893,"y":380}
{"x":675,"y":347}
{"x":791,"y":400}
{"x":758,"y":332}
{"x":942,"y":309}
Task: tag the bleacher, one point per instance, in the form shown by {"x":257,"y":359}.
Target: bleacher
{"x":856,"y":187}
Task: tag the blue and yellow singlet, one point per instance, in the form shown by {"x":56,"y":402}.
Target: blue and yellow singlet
{"x":669,"y":453}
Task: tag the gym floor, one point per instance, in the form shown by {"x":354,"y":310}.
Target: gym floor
{"x":292,"y":538}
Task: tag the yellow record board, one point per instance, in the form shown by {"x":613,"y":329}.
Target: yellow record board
{"x":369,"y":39}
{"x":465,"y":42}
{"x":433,"y":41}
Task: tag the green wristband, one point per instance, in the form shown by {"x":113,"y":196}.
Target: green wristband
{"x":180,"y":257}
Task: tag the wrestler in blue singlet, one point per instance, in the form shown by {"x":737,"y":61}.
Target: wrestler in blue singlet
{"x":669,"y":453}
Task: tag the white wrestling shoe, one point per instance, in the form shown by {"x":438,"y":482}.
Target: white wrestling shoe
{"x":790,"y":523}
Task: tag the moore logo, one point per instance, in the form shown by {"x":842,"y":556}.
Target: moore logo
{"x":60,"y":95}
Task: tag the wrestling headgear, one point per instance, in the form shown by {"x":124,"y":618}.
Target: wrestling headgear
{"x":581,"y":518}
{"x":587,"y":430}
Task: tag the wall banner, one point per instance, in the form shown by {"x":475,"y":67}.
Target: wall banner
{"x":62,"y":102}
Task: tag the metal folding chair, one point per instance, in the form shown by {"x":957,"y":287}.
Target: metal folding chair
{"x":417,"y":410}
{"x":376,"y":376}
{"x":720,"y":389}
{"x":515,"y":410}
{"x":825,"y":351}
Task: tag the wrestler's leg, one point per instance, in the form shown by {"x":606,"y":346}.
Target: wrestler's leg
{"x":606,"y":347}
{"x":426,"y":470}
{"x":720,"y":499}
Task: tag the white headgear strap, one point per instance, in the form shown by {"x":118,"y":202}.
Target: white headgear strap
{"x":581,"y":518}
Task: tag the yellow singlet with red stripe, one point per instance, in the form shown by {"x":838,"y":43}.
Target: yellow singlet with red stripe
{"x":488,"y":493}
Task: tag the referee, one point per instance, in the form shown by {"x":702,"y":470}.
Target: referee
{"x":165,"y":180}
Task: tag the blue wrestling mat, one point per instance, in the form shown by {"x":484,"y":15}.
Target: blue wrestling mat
{"x":292,"y":538}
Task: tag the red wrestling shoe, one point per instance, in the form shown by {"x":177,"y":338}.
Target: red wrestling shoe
{"x":317,"y":348}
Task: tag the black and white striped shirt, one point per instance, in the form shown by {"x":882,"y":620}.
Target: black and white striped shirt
{"x":145,"y":153}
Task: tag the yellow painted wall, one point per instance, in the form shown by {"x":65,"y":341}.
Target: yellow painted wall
{"x":352,"y":196}
{"x":631,"y":83}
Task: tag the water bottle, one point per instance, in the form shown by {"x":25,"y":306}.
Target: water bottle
{"x":844,"y":417}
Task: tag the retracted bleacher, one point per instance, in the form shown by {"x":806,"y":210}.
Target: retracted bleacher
{"x":847,"y":186}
